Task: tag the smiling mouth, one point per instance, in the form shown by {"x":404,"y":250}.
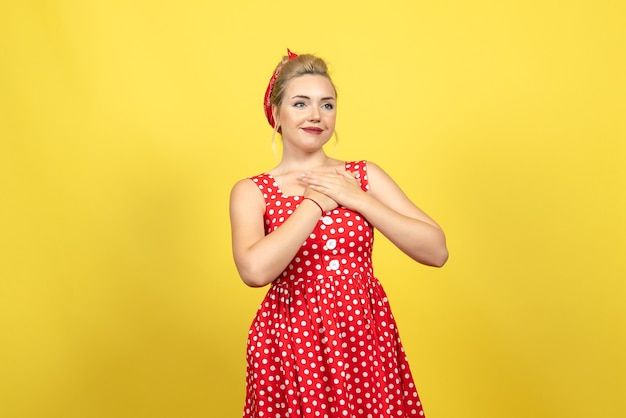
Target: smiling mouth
{"x":316,"y":131}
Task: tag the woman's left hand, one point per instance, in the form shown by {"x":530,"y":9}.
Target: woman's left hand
{"x":341,"y":186}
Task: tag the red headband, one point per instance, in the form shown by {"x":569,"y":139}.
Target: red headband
{"x":268,"y":93}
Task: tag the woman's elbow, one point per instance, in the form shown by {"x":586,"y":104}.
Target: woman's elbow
{"x":440,"y":259}
{"x":435,"y":252}
{"x":253,"y":278}
{"x":434,"y":256}
{"x":253,"y":283}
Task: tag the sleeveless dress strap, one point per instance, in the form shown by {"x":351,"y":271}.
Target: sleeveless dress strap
{"x":359,"y":168}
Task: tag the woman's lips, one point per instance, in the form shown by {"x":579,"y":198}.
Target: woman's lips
{"x":312,"y":130}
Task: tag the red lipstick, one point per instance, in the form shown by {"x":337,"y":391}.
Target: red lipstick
{"x":313,"y":130}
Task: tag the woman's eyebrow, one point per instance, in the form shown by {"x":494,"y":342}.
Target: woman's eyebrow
{"x":300,"y":96}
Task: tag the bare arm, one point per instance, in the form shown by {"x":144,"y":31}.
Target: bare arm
{"x":261,"y":258}
{"x":389,"y":210}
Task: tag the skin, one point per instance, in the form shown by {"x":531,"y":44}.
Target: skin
{"x":307,"y":118}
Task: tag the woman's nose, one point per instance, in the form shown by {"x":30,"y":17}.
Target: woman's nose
{"x":315,"y":114}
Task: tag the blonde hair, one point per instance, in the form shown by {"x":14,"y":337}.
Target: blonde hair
{"x":296,"y":67}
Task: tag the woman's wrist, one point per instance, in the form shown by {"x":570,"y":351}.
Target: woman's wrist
{"x":316,"y":204}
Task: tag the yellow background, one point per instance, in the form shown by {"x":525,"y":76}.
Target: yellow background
{"x":123,"y":125}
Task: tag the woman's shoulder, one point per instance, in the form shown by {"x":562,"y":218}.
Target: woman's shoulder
{"x":251,"y":184}
{"x":371,"y":175}
{"x":247,"y":193}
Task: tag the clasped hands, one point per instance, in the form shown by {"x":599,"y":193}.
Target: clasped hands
{"x":333,"y":188}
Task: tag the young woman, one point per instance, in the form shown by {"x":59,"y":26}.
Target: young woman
{"x":324,"y":342}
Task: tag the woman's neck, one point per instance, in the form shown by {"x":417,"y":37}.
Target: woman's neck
{"x":301,"y":163}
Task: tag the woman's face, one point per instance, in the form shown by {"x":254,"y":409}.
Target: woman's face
{"x":308,"y":112}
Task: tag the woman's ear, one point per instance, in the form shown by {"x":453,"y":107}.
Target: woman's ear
{"x":276,"y":118}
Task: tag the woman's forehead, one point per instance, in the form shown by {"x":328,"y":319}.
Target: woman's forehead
{"x":310,"y":85}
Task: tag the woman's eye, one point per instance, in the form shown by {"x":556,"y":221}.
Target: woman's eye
{"x":298,"y":104}
{"x":328,"y":106}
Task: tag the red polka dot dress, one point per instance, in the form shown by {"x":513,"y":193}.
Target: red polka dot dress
{"x":324,"y":342}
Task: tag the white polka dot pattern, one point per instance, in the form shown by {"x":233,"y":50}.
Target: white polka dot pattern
{"x":324,"y":342}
